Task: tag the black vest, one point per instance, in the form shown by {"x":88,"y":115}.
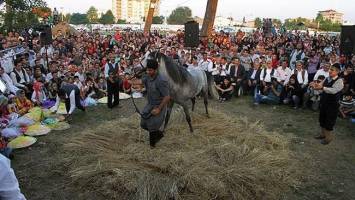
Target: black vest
{"x":331,"y":99}
{"x":112,"y":68}
{"x":68,"y":88}
{"x":18,"y":77}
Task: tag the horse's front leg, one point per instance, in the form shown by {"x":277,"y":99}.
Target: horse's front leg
{"x":188,"y":117}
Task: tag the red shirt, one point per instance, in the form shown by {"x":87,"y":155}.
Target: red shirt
{"x":126,"y":85}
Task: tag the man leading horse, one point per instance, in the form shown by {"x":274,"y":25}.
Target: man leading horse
{"x":158,"y":96}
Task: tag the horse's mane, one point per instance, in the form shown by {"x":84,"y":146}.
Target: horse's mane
{"x":177,"y":73}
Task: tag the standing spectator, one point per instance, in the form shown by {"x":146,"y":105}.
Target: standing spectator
{"x":329,"y":103}
{"x":113,"y":90}
{"x":9,"y":186}
{"x":296,"y":55}
{"x":313,"y":63}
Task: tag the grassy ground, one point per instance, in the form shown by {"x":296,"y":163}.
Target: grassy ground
{"x":43,"y":173}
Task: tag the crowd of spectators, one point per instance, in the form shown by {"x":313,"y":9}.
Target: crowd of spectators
{"x":273,"y":69}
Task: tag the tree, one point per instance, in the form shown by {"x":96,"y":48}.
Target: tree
{"x":67,"y":17}
{"x":78,"y":18}
{"x":107,"y":18}
{"x":277,"y":23}
{"x":180,"y":16}
{"x":158,"y":19}
{"x":92,"y":15}
{"x":319,"y":18}
{"x":121,"y":21}
{"x":18,"y":13}
{"x":258,"y":23}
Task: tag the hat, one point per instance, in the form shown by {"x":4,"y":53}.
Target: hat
{"x":337,"y":66}
{"x":152,"y":64}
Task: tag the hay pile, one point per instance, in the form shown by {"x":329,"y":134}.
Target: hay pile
{"x":224,"y":159}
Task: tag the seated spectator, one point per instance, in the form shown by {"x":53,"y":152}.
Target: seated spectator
{"x":53,"y":89}
{"x":225,"y":90}
{"x":11,"y":88}
{"x":271,"y":93}
{"x":347,"y":75}
{"x":20,"y":77}
{"x":77,"y":82}
{"x":102,"y":85}
{"x":312,"y":97}
{"x":347,"y":107}
{"x":283,"y":72}
{"x":266,"y":76}
{"x":324,"y":71}
{"x":38,"y":95}
{"x":4,"y":150}
{"x":237,"y":76}
{"x":253,"y":77}
{"x":293,"y":92}
{"x":23,"y":105}
{"x":126,"y":85}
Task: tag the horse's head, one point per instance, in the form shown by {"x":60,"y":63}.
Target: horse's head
{"x":154,"y":55}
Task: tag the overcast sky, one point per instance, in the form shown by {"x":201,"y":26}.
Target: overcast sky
{"x":281,"y":9}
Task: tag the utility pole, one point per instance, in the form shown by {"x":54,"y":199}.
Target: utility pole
{"x":210,"y":15}
{"x":149,"y":19}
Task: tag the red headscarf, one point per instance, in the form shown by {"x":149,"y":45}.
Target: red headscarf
{"x":37,"y":88}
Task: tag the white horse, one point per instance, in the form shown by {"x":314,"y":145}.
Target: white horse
{"x":184,"y":84}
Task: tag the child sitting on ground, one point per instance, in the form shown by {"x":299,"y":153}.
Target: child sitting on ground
{"x":38,"y":95}
{"x":4,"y":150}
{"x":23,"y":105}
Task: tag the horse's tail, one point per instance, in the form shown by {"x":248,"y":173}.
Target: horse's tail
{"x":211,"y":87}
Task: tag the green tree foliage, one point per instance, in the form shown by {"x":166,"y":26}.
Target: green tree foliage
{"x":67,"y":17}
{"x":297,"y":24}
{"x":92,"y":15}
{"x":78,"y":18}
{"x":327,"y":25}
{"x":258,"y":23}
{"x":319,"y":22}
{"x":158,"y":19}
{"x":180,"y":16}
{"x":121,"y":21}
{"x":18,"y":14}
{"x":107,"y":18}
{"x":277,"y":23}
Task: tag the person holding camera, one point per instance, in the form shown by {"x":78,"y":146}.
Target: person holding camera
{"x":329,"y":103}
{"x":293,"y":92}
{"x":271,"y":93}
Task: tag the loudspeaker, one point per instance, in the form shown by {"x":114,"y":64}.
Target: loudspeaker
{"x":192,"y":34}
{"x":347,"y":44}
{"x":46,"y":35}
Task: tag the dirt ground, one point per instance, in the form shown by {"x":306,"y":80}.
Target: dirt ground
{"x":43,"y":173}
